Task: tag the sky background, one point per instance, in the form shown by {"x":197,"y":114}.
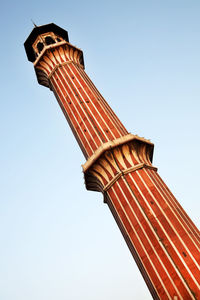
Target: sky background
{"x":57,"y":240}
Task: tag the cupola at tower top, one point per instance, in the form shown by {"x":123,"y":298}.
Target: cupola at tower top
{"x":48,"y":48}
{"x":43,"y":36}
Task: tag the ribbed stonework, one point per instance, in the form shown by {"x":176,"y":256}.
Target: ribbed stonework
{"x":161,"y":237}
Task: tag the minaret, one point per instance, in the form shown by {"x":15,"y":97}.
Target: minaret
{"x":160,"y":235}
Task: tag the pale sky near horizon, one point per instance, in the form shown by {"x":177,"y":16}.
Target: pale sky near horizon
{"x":59,"y":241}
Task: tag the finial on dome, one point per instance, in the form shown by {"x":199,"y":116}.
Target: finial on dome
{"x":34,"y":23}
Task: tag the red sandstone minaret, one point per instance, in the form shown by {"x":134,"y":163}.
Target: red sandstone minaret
{"x":161,"y":237}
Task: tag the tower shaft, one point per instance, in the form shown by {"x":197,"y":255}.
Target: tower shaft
{"x":160,"y":235}
{"x":91,"y":118}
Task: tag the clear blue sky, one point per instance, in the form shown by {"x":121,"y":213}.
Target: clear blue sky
{"x":59,"y":241}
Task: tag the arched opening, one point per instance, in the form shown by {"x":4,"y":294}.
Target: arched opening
{"x":49,"y":40}
{"x":40,"y":46}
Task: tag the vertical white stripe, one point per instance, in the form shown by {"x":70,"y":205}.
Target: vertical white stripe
{"x":156,"y":218}
{"x":169,"y":222}
{"x":104,"y":102}
{"x":141,"y":244}
{"x":185,"y":217}
{"x":72,"y":101}
{"x":155,"y":235}
{"x":173,"y":209}
{"x":85,"y":103}
{"x":105,"y":112}
{"x":76,"y":121}
{"x":84,"y":113}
